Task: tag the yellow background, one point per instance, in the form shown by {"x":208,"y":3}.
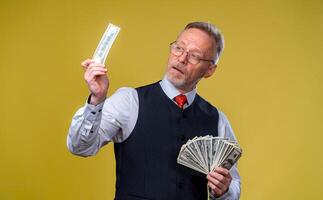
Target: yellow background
{"x":269,"y":84}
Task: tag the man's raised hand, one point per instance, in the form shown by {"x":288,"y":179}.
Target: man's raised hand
{"x":96,"y":79}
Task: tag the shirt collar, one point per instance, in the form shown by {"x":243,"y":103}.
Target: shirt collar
{"x":171,"y":91}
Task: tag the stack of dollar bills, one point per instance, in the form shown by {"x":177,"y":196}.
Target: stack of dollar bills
{"x":204,"y":154}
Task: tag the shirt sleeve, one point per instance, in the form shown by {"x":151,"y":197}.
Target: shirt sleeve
{"x":112,"y":120}
{"x":225,"y":130}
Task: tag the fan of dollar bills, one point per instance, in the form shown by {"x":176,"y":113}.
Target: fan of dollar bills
{"x":205,"y":153}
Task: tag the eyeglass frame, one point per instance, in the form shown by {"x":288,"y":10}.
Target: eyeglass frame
{"x":188,"y":54}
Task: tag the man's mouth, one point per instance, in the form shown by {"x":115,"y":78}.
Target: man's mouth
{"x":177,"y":69}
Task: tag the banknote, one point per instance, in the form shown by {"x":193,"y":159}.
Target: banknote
{"x":208,"y":152}
{"x":204,"y":154}
{"x":105,"y":44}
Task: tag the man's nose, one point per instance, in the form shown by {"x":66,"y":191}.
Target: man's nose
{"x":183,"y":58}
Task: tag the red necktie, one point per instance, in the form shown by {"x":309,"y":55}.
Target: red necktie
{"x":181,"y":100}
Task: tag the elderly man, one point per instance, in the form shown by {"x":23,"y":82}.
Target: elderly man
{"x":149,"y":124}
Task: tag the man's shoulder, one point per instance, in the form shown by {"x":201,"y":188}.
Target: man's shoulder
{"x":125,"y":90}
{"x":151,"y":85}
{"x":206,"y":105}
{"x":132,"y":92}
{"x":123,"y":93}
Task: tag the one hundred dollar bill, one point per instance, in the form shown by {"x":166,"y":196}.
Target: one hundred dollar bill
{"x":205,"y":153}
{"x":105,"y":44}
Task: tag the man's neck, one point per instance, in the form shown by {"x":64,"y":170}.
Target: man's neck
{"x":171,"y":91}
{"x":182,"y":90}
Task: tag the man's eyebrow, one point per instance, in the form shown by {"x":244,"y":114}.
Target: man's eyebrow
{"x":180,"y":42}
{"x":195,"y":50}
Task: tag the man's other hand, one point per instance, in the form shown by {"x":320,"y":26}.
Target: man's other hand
{"x":219,"y":181}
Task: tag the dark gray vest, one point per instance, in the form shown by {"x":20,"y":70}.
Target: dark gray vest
{"x":146,"y":162}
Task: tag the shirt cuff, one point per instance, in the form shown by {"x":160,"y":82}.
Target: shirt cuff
{"x":224,"y":196}
{"x":91,"y":112}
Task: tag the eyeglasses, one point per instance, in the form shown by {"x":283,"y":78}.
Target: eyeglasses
{"x":192,"y":57}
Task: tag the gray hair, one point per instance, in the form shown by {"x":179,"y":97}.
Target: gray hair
{"x":214,"y":32}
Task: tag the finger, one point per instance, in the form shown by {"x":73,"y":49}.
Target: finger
{"x":217,"y":176}
{"x":94,"y":75}
{"x":225,"y":180}
{"x":215,"y":189}
{"x":90,"y":70}
{"x":216,"y":182}
{"x":96,"y":65}
{"x":86,"y":63}
{"x":222,"y":171}
{"x":96,"y":68}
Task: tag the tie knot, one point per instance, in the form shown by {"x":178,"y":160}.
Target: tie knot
{"x":181,"y":100}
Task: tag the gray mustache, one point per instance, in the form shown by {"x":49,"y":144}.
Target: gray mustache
{"x":179,"y":65}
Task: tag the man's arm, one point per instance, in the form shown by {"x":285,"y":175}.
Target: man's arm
{"x":225,"y":184}
{"x":101,"y":120}
{"x":83,"y":138}
{"x":94,"y":126}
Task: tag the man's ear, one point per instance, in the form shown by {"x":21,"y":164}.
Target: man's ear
{"x":210,"y":70}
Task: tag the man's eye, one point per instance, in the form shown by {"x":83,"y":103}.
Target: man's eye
{"x":195,"y":56}
{"x":178,"y":48}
